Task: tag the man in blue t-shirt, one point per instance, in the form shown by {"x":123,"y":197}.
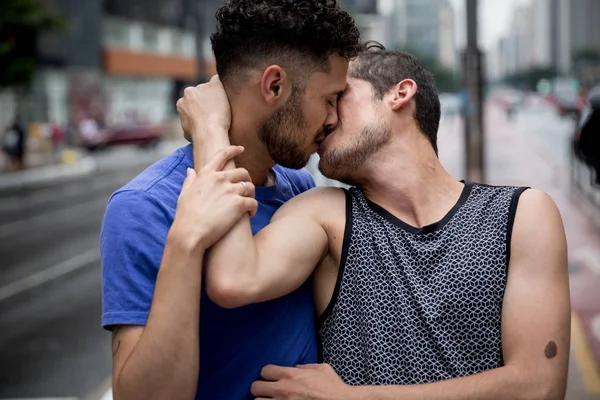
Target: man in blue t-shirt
{"x":283,"y":65}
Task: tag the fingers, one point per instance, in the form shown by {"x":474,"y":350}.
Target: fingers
{"x":262,"y":389}
{"x":238,"y":175}
{"x":218,"y":161}
{"x":309,"y":366}
{"x":274,"y":372}
{"x":189,"y":179}
{"x":245,"y":189}
{"x":250,"y":206}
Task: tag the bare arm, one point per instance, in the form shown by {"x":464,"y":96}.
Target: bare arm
{"x":535,"y":319}
{"x":161,"y":359}
{"x":243,"y":269}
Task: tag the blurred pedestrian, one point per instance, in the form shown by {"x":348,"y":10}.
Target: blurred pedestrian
{"x":57,"y":136}
{"x":13,"y":142}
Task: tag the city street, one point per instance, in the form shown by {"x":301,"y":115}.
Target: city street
{"x":532,"y":150}
{"x":51,"y":342}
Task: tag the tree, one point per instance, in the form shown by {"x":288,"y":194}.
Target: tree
{"x":528,"y":79}
{"x":21,"y":21}
{"x":446,"y":79}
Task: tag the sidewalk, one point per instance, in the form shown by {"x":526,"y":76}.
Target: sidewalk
{"x":85,"y":165}
{"x":515,"y":157}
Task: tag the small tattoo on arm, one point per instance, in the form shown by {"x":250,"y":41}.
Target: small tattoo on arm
{"x":550,"y":350}
{"x":114,"y":336}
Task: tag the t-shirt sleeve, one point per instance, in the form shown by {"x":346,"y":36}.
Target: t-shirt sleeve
{"x":305,"y":180}
{"x":132,"y":241}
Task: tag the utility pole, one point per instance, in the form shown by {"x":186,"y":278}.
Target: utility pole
{"x":200,"y":33}
{"x":473,"y":99}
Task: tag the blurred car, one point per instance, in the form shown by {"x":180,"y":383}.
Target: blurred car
{"x":566,"y":96}
{"x":145,"y":135}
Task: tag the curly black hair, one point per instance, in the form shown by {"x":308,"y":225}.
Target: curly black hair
{"x":384,"y":68}
{"x":297,"y":35}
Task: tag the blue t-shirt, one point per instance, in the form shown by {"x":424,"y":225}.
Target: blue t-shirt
{"x":235,"y":344}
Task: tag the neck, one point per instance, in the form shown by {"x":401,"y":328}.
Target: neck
{"x":245,"y":122}
{"x":407,"y":179}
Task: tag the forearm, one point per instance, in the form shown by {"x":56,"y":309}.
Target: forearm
{"x":165,"y":361}
{"x":232,"y":260}
{"x":505,"y":383}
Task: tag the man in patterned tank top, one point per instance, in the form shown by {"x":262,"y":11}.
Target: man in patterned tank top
{"x":426,"y":287}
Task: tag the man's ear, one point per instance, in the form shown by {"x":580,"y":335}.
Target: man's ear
{"x":402,"y":93}
{"x":275,"y":84}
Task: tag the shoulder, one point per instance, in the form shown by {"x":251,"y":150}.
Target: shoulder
{"x":168,"y":172}
{"x":144,"y":208}
{"x":320,"y":202}
{"x":536,"y":211}
{"x":300,"y":180}
{"x":538,"y":232}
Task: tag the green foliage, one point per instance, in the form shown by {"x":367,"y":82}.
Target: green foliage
{"x":446,"y":79}
{"x":21,"y":21}
{"x":528,"y":79}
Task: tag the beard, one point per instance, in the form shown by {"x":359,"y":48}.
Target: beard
{"x":341,"y":162}
{"x":283,"y":133}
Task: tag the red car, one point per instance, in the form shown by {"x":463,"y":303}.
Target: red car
{"x":145,"y":135}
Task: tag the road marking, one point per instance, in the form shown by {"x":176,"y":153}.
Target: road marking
{"x":21,"y":226}
{"x":18,"y":203}
{"x":584,"y":356}
{"x":49,"y":274}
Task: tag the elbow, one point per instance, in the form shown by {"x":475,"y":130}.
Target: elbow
{"x":229,"y":293}
{"x":551,"y":391}
{"x":545,"y":390}
{"x":537,"y":385}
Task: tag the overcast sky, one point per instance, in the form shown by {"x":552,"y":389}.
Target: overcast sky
{"x":494,"y":19}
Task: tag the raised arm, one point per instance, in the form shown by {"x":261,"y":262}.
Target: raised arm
{"x":243,"y":269}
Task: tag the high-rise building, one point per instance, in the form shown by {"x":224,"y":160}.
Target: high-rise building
{"x":426,"y":27}
{"x":579,"y":31}
{"x":447,"y":44}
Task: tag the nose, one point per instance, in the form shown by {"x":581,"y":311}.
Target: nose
{"x":332,"y":119}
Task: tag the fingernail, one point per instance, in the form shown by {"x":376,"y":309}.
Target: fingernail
{"x":189,"y":171}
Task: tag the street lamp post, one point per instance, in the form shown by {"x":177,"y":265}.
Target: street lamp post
{"x":473,"y":109}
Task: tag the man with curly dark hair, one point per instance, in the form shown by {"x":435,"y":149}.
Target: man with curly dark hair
{"x":283,"y":64}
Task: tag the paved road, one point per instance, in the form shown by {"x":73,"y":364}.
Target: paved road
{"x":51,"y":344}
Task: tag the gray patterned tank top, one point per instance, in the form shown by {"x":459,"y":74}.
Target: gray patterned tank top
{"x":419,"y":305}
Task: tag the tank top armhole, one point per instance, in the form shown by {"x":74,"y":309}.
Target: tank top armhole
{"x":512,"y":212}
{"x":343,"y":257}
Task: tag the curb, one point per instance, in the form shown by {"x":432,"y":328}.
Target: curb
{"x":55,"y":174}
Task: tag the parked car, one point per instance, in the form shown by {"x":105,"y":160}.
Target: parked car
{"x":145,"y":135}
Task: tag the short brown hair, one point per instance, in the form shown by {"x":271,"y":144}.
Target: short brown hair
{"x":383,"y":69}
